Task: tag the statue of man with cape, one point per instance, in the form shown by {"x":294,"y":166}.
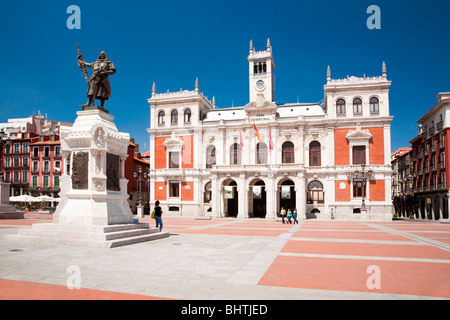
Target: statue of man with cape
{"x":99,"y":87}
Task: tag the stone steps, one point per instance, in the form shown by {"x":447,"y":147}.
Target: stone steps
{"x":110,"y":236}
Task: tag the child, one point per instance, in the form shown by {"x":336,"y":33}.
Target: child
{"x":294,"y":215}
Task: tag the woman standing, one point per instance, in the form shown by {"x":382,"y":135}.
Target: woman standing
{"x":158,"y":213}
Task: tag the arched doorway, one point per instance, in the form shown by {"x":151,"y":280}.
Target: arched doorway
{"x":257,"y":203}
{"x":230,"y":198}
{"x":286,"y":195}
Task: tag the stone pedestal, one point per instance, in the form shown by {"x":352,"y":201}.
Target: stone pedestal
{"x":94,"y":191}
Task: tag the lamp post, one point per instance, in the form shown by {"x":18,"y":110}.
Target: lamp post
{"x":138,"y":177}
{"x":4,"y":186}
{"x":4,"y":141}
{"x":362,"y":175}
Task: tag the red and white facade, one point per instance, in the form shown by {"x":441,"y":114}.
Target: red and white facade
{"x":431,"y":162}
{"x":250,"y":161}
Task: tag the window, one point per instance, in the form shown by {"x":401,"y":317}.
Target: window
{"x":56,"y":182}
{"x":57,"y":152}
{"x":16,"y":147}
{"x":57,"y":168}
{"x":374,"y":105}
{"x":36,"y":152}
{"x":357,"y":106}
{"x":187,"y":116}
{"x":16,"y":162}
{"x":45,"y":181}
{"x":315,"y":192}
{"x":46,"y":152}
{"x":287,"y":152}
{"x":207,"y":195}
{"x":25,"y":162}
{"x":25,"y":176}
{"x":16,"y":176}
{"x":25,"y":147}
{"x":235,"y":154}
{"x":210,"y":156}
{"x":35,"y":181}
{"x":359,"y":188}
{"x":174,"y":160}
{"x":46,"y":167}
{"x":174,"y":117}
{"x":314,"y":154}
{"x":35,"y":166}
{"x":261,"y":153}
{"x":161,"y":118}
{"x":7,"y":162}
{"x":359,"y":155}
{"x":174,"y":189}
{"x":340,"y":107}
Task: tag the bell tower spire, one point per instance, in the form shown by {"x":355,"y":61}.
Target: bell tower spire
{"x":261,"y":77}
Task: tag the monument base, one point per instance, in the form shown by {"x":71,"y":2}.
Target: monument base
{"x":108,"y":236}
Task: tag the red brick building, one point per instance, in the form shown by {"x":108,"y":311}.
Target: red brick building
{"x":430,"y":158}
{"x":46,"y":165}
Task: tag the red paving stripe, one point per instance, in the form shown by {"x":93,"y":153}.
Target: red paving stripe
{"x":396,"y":277}
{"x":234,"y":232}
{"x":366,"y":249}
{"x":23,"y":290}
{"x":354,"y":235}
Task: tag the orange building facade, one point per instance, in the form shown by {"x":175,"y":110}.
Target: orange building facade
{"x":327,"y":159}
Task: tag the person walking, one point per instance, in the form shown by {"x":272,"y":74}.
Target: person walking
{"x":282,"y":214}
{"x":158,"y":213}
{"x":294,"y":215}
{"x":289,"y":216}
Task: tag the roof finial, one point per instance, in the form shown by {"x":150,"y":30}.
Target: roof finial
{"x":154,"y":89}
{"x":328,"y":73}
{"x":214,"y":100}
{"x":384,"y":70}
{"x":196,"y":84}
{"x":251,"y":46}
{"x":268,"y":45}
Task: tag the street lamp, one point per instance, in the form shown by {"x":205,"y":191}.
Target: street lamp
{"x":362,"y":175}
{"x":138,"y":177}
{"x":4,"y":141}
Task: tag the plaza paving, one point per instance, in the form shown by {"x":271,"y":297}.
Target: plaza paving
{"x":231,"y":259}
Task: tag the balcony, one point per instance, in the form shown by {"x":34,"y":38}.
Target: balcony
{"x":441,"y":165}
{"x":439,"y":125}
{"x":440,"y":145}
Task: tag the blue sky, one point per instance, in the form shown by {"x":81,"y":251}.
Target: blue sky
{"x":173,"y":42}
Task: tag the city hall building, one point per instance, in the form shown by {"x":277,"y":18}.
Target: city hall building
{"x":323,"y":159}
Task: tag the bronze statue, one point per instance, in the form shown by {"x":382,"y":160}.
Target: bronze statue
{"x":99,"y":87}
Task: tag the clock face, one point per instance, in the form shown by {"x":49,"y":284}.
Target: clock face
{"x":260,"y":84}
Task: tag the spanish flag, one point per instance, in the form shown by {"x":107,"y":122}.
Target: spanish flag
{"x":257,"y":134}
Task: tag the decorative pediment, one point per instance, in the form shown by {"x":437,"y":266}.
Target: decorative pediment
{"x":359,"y":135}
{"x":173,"y":143}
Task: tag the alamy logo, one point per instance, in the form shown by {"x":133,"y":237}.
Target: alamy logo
{"x":374,"y":21}
{"x":74,"y":20}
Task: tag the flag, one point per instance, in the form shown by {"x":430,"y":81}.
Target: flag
{"x":257,"y":134}
{"x":241,"y":141}
{"x":270,"y":140}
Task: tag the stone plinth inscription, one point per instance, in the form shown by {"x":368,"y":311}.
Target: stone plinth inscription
{"x":80,"y":170}
{"x":112,"y":172}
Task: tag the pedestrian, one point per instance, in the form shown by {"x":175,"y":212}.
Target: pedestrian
{"x":294,"y":215}
{"x":158,"y":213}
{"x":282,"y":214}
{"x":289,"y":216}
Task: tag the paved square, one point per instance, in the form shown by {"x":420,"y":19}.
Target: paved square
{"x":226,"y":259}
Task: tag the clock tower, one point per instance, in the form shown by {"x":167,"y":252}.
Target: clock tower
{"x":261,"y":74}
